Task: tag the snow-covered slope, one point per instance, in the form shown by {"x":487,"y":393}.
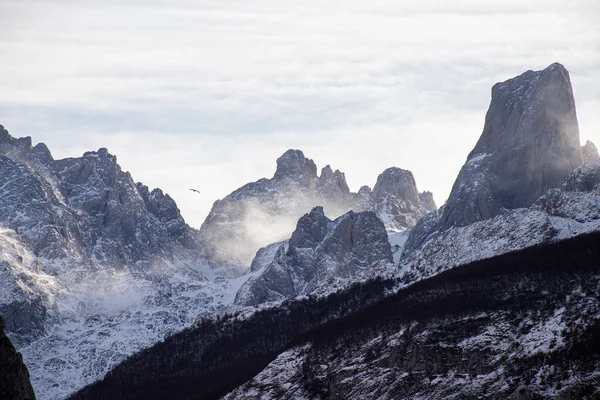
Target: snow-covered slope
{"x":571,"y":210}
{"x":107,"y":316}
{"x":93,"y":266}
{"x":520,"y":325}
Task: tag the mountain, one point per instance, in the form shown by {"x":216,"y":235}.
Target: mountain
{"x":14,"y":377}
{"x":93,"y":266}
{"x":523,"y":323}
{"x":266,"y":211}
{"x":518,"y":326}
{"x":572,"y":209}
{"x":79,"y":215}
{"x":529,"y":144}
{"x":498,"y":300}
{"x":395,"y":199}
{"x":86,"y":207}
{"x":495,"y":295}
{"x":320,"y":253}
{"x":589,"y":152}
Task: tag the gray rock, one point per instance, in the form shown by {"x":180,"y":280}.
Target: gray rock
{"x":311,"y":230}
{"x":396,"y":200}
{"x":319,"y":252}
{"x":332,"y":185}
{"x":81,"y":211}
{"x":14,"y":376}
{"x":529,"y":144}
{"x":589,"y":152}
{"x":266,"y":211}
{"x":293,"y":165}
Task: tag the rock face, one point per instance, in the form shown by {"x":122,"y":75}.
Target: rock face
{"x":589,"y":152}
{"x":319,"y":252}
{"x":85,"y":207}
{"x":266,"y":211}
{"x":396,"y":200}
{"x":14,"y":377}
{"x":529,"y":144}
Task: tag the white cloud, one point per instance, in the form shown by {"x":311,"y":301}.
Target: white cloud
{"x":209,"y":94}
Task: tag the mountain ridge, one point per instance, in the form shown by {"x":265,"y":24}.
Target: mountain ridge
{"x":265,"y":211}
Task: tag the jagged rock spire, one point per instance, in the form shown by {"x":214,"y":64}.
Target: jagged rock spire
{"x":529,"y":144}
{"x":293,"y":164}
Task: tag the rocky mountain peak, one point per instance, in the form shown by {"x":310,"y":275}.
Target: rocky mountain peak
{"x":3,"y":133}
{"x":310,"y":230}
{"x":589,"y":152}
{"x":332,"y":185}
{"x":320,"y":252}
{"x":529,"y":109}
{"x":426,"y":199}
{"x":41,"y":152}
{"x":364,"y":190}
{"x":326,"y":172}
{"x":293,"y":164}
{"x":396,"y":182}
{"x":395,"y":199}
{"x":529,"y":144}
{"x":14,"y":147}
{"x":266,"y":211}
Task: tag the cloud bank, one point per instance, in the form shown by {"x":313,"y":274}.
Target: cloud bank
{"x":198,"y":94}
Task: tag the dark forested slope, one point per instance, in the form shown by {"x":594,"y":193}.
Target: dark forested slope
{"x":522,"y":323}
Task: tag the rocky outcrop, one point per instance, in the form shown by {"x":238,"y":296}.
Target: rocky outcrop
{"x":396,"y":200}
{"x":529,"y":144}
{"x":589,"y":152}
{"x":14,"y":377}
{"x":266,"y":211}
{"x":320,"y":252}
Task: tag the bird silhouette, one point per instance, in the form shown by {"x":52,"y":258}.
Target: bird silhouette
{"x":194,"y":190}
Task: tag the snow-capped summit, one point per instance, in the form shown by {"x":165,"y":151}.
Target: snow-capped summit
{"x":529,"y":144}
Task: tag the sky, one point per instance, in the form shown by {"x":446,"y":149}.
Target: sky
{"x":207,"y":94}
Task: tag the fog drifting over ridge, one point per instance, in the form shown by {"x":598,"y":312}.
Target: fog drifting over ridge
{"x":207,"y":95}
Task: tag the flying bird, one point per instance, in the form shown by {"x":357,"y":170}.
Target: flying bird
{"x":194,"y":190}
